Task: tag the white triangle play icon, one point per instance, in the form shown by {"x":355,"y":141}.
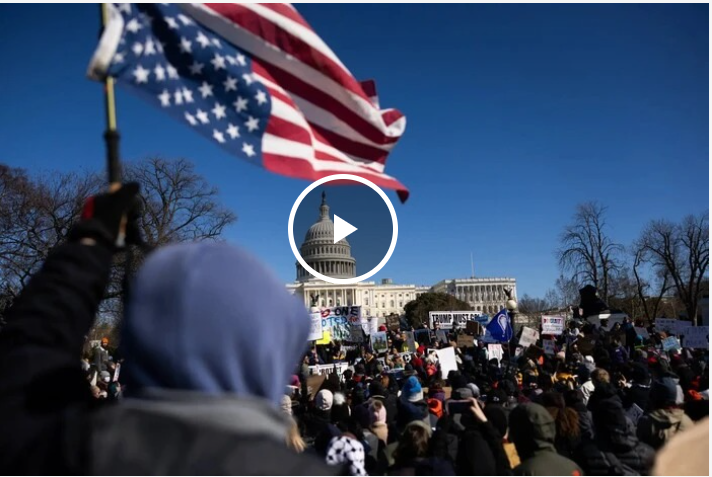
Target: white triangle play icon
{"x":342,"y":229}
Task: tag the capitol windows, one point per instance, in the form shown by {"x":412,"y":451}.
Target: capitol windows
{"x":365,"y":301}
{"x":383,"y":304}
{"x":392,"y":304}
{"x":400,"y":304}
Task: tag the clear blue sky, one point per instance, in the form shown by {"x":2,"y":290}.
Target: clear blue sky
{"x":515,"y":114}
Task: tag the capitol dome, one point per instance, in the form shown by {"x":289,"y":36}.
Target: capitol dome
{"x":321,"y":253}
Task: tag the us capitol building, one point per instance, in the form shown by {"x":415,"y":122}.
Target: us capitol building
{"x":378,"y":299}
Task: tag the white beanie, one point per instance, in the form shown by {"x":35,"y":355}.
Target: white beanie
{"x":324,"y":400}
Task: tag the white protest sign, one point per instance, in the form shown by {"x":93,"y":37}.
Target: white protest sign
{"x":446,"y":358}
{"x":696,"y":337}
{"x":340,"y":320}
{"x":529,"y":337}
{"x":642,"y":332}
{"x":495,"y":351}
{"x":315,"y":332}
{"x":117,"y":371}
{"x":668,"y":325}
{"x":446,"y":319}
{"x":549,"y":347}
{"x":552,"y":325}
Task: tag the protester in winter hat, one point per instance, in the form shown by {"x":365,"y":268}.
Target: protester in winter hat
{"x":347,"y":451}
{"x":324,"y":400}
{"x":666,"y":418}
{"x":532,"y":430}
{"x":190,"y":364}
{"x":615,"y":449}
{"x":411,"y":406}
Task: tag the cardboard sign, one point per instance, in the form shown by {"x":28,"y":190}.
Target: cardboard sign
{"x":529,"y":337}
{"x":379,"y":342}
{"x":465,"y":341}
{"x":314,"y":383}
{"x":671,"y":343}
{"x":316,"y":331}
{"x":393,"y":322}
{"x":473,"y":328}
{"x":696,"y":337}
{"x":549,"y":347}
{"x":448,"y":319}
{"x":552,"y":325}
{"x":446,"y":358}
{"x":495,"y":351}
{"x":441,"y":336}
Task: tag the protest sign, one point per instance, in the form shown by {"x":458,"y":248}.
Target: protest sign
{"x":494,"y":350}
{"x":422,"y":336}
{"x":634,"y":413}
{"x":518,"y":351}
{"x":642,"y":332}
{"x":355,"y":334}
{"x":117,"y":371}
{"x":446,"y":358}
{"x":465,"y":341}
{"x":379,"y":342}
{"x":448,"y":319}
{"x":441,"y":335}
{"x":529,"y":337}
{"x":372,"y":325}
{"x":393,"y":322}
{"x":696,"y":337}
{"x":325,"y":338}
{"x":473,"y":328}
{"x":552,"y":325}
{"x":409,"y":345}
{"x":668,"y":325}
{"x":314,"y":383}
{"x":316,"y":331}
{"x":549,"y":347}
{"x":340,"y":320}
{"x":671,"y":343}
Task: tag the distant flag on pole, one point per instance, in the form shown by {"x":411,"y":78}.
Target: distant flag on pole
{"x":500,"y":326}
{"x":255,"y":79}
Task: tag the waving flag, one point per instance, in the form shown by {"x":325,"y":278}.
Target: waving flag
{"x":500,"y":327}
{"x":255,"y":79}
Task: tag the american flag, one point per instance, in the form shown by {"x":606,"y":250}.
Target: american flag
{"x":255,"y":79}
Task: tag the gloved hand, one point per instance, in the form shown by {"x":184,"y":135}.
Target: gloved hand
{"x":105,"y":217}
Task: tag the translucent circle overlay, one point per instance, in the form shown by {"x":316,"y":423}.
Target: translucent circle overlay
{"x":295,"y":250}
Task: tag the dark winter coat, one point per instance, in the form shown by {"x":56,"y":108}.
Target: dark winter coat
{"x":532,"y":430}
{"x":615,"y":450}
{"x":49,"y":426}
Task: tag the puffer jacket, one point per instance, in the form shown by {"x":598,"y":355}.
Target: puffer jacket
{"x":615,"y":450}
{"x":658,"y":427}
{"x":532,"y":430}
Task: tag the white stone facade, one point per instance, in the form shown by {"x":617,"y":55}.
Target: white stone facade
{"x":483,"y":294}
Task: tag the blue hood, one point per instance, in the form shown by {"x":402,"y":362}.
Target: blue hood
{"x":210,"y":317}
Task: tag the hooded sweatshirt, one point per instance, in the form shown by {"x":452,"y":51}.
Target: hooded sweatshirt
{"x":658,"y":427}
{"x":202,"y":379}
{"x":532,"y":430}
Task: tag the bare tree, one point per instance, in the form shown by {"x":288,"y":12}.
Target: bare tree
{"x":36,"y":214}
{"x":650,"y":301}
{"x":681,"y":251}
{"x":567,"y":291}
{"x":586,"y":249}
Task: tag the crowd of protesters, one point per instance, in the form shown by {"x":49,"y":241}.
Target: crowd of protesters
{"x":215,"y":378}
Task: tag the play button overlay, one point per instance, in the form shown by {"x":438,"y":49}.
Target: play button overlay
{"x":342,"y":229}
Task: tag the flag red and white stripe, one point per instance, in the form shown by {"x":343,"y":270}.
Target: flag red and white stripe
{"x":323,"y":121}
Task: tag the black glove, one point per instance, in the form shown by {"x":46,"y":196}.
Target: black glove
{"x":105,"y":217}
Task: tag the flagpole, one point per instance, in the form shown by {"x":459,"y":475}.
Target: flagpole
{"x":111,"y":134}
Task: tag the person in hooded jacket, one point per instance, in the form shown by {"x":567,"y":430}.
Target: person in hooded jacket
{"x":666,"y":418}
{"x":615,"y":449}
{"x":213,"y":410}
{"x":411,"y":404}
{"x":533,"y":431}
